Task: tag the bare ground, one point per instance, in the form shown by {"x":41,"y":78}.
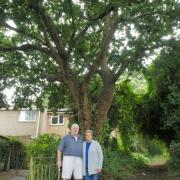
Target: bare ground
{"x":14,"y":175}
{"x":155,"y":172}
{"x":152,"y":172}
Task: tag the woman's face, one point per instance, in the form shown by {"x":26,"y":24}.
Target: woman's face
{"x":88,"y":136}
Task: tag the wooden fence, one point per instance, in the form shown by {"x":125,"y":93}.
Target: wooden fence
{"x":43,"y":169}
{"x":46,"y":169}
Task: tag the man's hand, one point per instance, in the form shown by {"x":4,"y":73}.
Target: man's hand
{"x":98,"y":170}
{"x":59,"y":164}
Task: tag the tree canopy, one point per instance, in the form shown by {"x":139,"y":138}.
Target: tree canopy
{"x":65,"y":45}
{"x":164,"y":91}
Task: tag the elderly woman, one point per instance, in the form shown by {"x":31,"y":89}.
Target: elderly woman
{"x":92,"y":157}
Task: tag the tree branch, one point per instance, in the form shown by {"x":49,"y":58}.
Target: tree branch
{"x":101,"y":56}
{"x":51,"y":28}
{"x":108,"y":36}
{"x":25,"y":48}
{"x":94,"y":89}
{"x":52,"y":77}
{"x":92,"y":21}
{"x":59,"y":52}
{"x":73,"y":20}
{"x":134,"y":58}
{"x":140,"y":51}
{"x":21,"y":31}
{"x":53,"y":50}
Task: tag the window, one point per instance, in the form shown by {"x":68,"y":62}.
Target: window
{"x":57,"y":120}
{"x":28,"y":115}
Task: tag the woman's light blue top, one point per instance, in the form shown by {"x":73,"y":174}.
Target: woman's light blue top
{"x":95,"y":158}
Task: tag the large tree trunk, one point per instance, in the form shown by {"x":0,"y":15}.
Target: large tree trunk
{"x":87,"y":118}
{"x":103,"y":105}
{"x":82,"y":104}
{"x":84,"y":111}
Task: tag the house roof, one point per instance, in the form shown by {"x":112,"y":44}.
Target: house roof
{"x":11,"y":108}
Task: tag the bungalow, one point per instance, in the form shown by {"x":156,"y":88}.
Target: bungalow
{"x":33,"y":122}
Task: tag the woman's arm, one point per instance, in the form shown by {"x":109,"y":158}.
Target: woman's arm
{"x":100,"y":156}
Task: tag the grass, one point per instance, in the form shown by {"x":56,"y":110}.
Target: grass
{"x":148,"y":154}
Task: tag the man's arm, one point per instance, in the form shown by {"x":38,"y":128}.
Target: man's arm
{"x":59,"y":159}
{"x":59,"y":153}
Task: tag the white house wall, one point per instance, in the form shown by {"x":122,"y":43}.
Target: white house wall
{"x":11,"y":126}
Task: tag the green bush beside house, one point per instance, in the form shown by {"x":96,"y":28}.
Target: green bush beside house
{"x":12,"y":154}
{"x":44,"y":146}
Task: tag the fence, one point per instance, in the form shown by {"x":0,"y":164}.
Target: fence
{"x":45,"y":169}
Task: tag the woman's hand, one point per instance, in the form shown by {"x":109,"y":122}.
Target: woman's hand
{"x":98,"y":170}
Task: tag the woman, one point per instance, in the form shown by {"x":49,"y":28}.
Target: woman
{"x":92,"y":157}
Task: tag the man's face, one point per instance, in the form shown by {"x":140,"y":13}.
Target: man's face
{"x":75,"y":131}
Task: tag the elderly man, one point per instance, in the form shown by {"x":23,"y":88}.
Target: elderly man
{"x":71,"y":147}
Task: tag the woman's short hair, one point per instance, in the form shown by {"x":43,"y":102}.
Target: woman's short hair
{"x":89,"y":131}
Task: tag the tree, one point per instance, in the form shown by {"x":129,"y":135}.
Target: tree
{"x":71,"y":42}
{"x":163,"y":76}
{"x":3,"y":102}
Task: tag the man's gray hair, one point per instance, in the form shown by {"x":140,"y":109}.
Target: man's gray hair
{"x":75,"y":126}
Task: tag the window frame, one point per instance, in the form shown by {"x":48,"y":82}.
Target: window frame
{"x":24,"y":111}
{"x":58,"y":124}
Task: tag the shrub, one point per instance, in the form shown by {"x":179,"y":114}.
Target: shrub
{"x":104,"y":136}
{"x":122,"y":164}
{"x":140,"y":160}
{"x":174,"y":162}
{"x":155,"y":147}
{"x":18,"y":154}
{"x":44,"y":146}
{"x":12,"y":154}
{"x":4,"y":152}
{"x":117,"y":164}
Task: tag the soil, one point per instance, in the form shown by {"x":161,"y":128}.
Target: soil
{"x":155,"y":172}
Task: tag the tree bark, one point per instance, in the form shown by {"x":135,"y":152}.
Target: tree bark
{"x":103,"y":105}
{"x":85,"y":113}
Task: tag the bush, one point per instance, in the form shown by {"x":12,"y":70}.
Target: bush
{"x":18,"y":154}
{"x":104,"y":136}
{"x":117,"y":164}
{"x":4,"y":153}
{"x":140,"y":160}
{"x":174,"y":162}
{"x":155,"y":147}
{"x":12,"y":154}
{"x":44,"y":146}
{"x":122,"y":164}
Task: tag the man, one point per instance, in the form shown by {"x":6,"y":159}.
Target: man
{"x":71,"y":147}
